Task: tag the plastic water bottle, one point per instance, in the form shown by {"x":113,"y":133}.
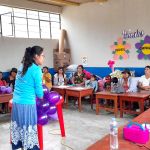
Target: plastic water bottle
{"x":113,"y":135}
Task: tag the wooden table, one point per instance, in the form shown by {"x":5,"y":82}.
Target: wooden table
{"x":103,"y":144}
{"x":5,"y":98}
{"x":61,"y":90}
{"x":132,"y":97}
{"x":78,"y":92}
{"x":107,"y":96}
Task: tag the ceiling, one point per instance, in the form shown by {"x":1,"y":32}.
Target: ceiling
{"x":66,"y":2}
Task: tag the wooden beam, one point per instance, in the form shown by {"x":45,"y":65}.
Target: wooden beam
{"x":57,"y":2}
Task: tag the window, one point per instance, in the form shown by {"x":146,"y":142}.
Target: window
{"x":16,"y":22}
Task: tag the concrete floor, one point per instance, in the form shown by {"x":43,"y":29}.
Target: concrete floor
{"x":82,"y":129}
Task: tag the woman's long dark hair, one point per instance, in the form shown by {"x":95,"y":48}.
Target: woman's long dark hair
{"x":29,"y":55}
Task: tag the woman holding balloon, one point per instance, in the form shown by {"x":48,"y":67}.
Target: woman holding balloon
{"x":28,"y":86}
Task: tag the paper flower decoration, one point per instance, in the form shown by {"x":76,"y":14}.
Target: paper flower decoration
{"x":120,"y":49}
{"x":111,"y":64}
{"x":143,"y":48}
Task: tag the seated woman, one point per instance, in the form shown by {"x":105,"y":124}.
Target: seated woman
{"x":60,"y":77}
{"x":2,"y":83}
{"x":79,"y":77}
{"x":144,"y":84}
{"x":11,"y":79}
{"x":47,"y":78}
{"x":125,"y":81}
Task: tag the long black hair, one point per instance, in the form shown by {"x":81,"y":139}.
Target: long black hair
{"x":29,"y":55}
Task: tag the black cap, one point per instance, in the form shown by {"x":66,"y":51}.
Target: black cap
{"x":14,"y":70}
{"x":126,"y":71}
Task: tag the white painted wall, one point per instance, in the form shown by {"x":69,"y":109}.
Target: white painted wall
{"x":92,"y":28}
{"x":12,"y":51}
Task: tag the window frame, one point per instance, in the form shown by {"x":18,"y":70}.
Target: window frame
{"x":27,"y":20}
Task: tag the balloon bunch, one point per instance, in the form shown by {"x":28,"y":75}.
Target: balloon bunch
{"x":111,"y":64}
{"x":46,"y":108}
{"x":5,"y":90}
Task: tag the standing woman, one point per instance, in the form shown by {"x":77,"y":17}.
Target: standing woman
{"x":60,"y":77}
{"x":28,"y":85}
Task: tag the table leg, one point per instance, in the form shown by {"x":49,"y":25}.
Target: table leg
{"x":97,"y":106}
{"x":141,"y":105}
{"x":121,"y":108}
{"x":66,"y":101}
{"x":116,"y":107}
{"x":79,"y":103}
{"x":91,"y":99}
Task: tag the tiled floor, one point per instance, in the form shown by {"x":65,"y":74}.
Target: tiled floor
{"x":82,"y":129}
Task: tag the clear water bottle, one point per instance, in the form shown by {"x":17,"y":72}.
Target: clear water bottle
{"x":113,"y":135}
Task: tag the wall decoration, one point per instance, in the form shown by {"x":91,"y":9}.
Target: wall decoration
{"x":84,"y":61}
{"x":120,"y":49}
{"x":132,"y":34}
{"x":143,"y":48}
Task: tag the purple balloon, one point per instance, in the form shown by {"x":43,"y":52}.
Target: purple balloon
{"x":53,"y":97}
{"x":43,"y":119}
{"x":45,"y":89}
{"x":8,"y":90}
{"x":3,"y":89}
{"x":52,"y":110}
{"x":43,"y":106}
{"x":53,"y":117}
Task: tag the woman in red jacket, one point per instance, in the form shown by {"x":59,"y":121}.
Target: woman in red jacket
{"x":2,"y":83}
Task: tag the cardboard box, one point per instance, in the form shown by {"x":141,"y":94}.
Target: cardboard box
{"x":62,"y":59}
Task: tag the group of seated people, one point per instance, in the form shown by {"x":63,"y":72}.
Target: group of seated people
{"x":80,"y":79}
{"x":9,"y":81}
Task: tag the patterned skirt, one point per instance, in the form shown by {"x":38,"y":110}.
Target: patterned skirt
{"x":24,"y":127}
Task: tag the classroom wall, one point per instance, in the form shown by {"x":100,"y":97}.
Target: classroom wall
{"x":12,"y":51}
{"x":92,"y":28}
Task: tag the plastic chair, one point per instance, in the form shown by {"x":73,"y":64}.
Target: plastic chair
{"x":40,"y":128}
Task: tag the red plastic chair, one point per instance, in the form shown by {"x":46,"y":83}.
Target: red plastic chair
{"x":60,"y":118}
